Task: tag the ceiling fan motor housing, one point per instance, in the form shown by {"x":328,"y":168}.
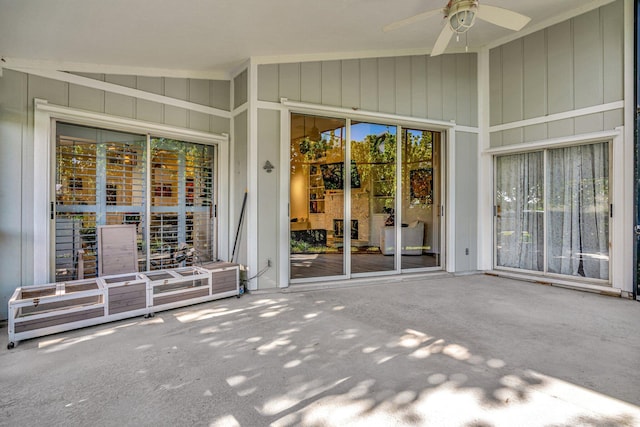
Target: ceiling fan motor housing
{"x":461,"y":14}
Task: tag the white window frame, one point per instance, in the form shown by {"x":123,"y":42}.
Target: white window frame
{"x":45,"y":114}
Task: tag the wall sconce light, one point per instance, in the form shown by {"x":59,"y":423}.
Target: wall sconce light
{"x":268,"y":166}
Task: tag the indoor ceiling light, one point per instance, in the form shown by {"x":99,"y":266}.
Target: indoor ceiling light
{"x":314,"y":133}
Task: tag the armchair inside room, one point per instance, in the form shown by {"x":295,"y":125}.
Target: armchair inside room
{"x":412,"y":239}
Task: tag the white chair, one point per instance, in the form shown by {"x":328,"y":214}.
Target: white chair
{"x":412,"y":239}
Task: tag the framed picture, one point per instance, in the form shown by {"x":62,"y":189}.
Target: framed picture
{"x":333,"y":176}
{"x":421,"y":185}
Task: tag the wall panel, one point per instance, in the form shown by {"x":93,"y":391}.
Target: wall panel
{"x":403,"y":86}
{"x":54,"y":91}
{"x":289,"y":81}
{"x":449,"y":88}
{"x":387,"y":85}
{"x":560,"y":128}
{"x":268,"y":83}
{"x":589,"y":123}
{"x":351,"y":83}
{"x":560,"y":68}
{"x":435,"y":89}
{"x":495,"y":87}
{"x":613,"y":119}
{"x":466,"y":99}
{"x":369,"y":84}
{"x":512,"y":81}
{"x":569,"y":66}
{"x":419,"y":79}
{"x":311,"y":82}
{"x":612,"y":16}
{"x":199,"y":91}
{"x":534,"y":75}
{"x":148,"y":110}
{"x":86,"y":98}
{"x":268,"y":191}
{"x":239,"y":169}
{"x":240,"y":89}
{"x":440,"y":88}
{"x":13,"y":122}
{"x":466,"y":166}
{"x":331,"y":82}
{"x":588,"y":60}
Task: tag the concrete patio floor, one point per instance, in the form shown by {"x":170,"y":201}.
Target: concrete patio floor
{"x":454,"y":351}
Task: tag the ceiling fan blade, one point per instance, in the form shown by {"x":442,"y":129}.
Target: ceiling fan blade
{"x":410,"y":20}
{"x":502,"y":17}
{"x":443,"y":40}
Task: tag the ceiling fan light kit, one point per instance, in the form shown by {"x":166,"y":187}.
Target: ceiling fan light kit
{"x":460,"y":16}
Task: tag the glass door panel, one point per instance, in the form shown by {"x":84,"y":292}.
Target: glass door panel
{"x":373,"y":197}
{"x":99,"y":181}
{"x":182,"y":203}
{"x":578,"y":219}
{"x":520,"y":211}
{"x":421,"y":200}
{"x":317,"y":155}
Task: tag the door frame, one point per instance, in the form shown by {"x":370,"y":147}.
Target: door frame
{"x":44,"y":152}
{"x":447,"y":129}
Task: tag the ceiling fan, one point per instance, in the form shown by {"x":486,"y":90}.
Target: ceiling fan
{"x":460,"y":16}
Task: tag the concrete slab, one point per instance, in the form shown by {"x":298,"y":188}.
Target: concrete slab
{"x":455,"y":351}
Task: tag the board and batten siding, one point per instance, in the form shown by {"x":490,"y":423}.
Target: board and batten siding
{"x":572,"y":65}
{"x":17,"y":93}
{"x":440,"y":88}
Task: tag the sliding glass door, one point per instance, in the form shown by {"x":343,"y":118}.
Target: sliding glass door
{"x":346,"y":219}
{"x":317,"y":203}
{"x":373,"y":197}
{"x":164,"y":187}
{"x":422,"y":200}
{"x":552,"y":211}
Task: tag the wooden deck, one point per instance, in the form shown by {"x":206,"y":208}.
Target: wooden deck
{"x":320,"y":265}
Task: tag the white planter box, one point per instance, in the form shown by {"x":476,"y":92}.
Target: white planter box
{"x":56,"y":307}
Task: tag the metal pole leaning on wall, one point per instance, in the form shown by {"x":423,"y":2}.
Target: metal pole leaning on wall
{"x":235,"y":243}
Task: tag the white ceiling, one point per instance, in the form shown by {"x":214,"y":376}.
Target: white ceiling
{"x":211,"y":37}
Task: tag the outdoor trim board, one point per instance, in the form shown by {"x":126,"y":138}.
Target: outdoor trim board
{"x":555,"y":143}
{"x":617,"y":105}
{"x":357,"y":114}
{"x":123,"y":90}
